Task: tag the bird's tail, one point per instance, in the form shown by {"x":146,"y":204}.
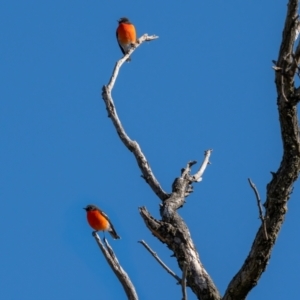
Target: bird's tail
{"x":113,"y":233}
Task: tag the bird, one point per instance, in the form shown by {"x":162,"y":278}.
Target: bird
{"x":99,"y":221}
{"x":126,"y":36}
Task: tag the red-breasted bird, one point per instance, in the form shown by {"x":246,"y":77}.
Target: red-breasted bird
{"x":126,"y":35}
{"x":98,"y":220}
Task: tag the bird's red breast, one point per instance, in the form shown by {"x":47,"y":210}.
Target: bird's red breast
{"x":126,"y":33}
{"x":96,"y":220}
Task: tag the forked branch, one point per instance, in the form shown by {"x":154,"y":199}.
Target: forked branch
{"x":198,"y":176}
{"x":260,"y":209}
{"x":116,"y":267}
{"x":280,"y":187}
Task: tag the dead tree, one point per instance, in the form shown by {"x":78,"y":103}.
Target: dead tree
{"x":171,"y":228}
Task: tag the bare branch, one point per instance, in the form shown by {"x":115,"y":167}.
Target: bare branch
{"x":198,"y":176}
{"x":280,"y":187}
{"x":187,"y":179}
{"x":260,"y":209}
{"x":174,"y":233}
{"x":131,"y":145}
{"x":154,"y":254}
{"x":183,"y":281}
{"x":142,"y":39}
{"x":288,"y":37}
{"x":116,"y":267}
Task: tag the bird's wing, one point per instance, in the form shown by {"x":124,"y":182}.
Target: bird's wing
{"x":112,"y":230}
{"x":104,"y":215}
{"x":119,"y":42}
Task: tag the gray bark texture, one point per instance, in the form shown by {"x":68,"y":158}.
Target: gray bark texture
{"x":280,"y":187}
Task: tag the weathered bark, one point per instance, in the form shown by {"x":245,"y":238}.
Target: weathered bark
{"x":173,"y":231}
{"x":280,"y":187}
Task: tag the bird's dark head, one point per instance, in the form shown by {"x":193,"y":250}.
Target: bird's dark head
{"x":124,"y":20}
{"x":90,"y":207}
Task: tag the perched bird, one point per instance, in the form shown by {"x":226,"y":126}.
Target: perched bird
{"x":98,"y":220}
{"x":126,"y":35}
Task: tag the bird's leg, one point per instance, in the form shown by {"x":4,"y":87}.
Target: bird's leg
{"x":133,"y":45}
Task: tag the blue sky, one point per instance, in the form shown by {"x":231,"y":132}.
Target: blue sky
{"x":207,"y":82}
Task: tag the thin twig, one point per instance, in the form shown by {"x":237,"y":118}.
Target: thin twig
{"x":142,"y":39}
{"x":183,"y":281}
{"x":198,"y":176}
{"x":116,"y":267}
{"x":160,"y":261}
{"x":259,"y":207}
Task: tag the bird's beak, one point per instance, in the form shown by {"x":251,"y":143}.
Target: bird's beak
{"x":84,"y":208}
